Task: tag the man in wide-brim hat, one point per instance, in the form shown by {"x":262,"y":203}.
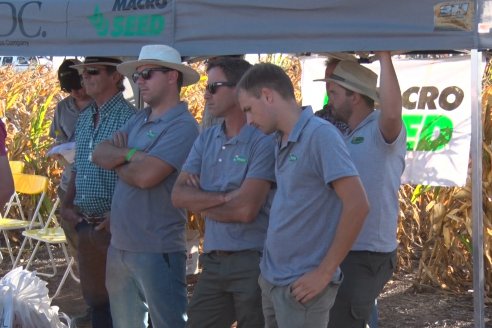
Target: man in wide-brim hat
{"x":147,"y":257}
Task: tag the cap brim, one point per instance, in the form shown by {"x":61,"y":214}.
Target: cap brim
{"x":190,"y":76}
{"x":80,"y":67}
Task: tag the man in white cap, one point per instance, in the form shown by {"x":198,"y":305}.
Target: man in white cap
{"x":89,"y":192}
{"x":377,"y":144}
{"x":146,"y":266}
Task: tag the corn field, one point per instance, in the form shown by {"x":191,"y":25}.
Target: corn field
{"x":435,"y":226}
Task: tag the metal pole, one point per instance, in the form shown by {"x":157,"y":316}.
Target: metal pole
{"x":477,"y":202}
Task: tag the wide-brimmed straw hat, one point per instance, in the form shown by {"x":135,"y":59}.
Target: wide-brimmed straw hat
{"x":92,"y":60}
{"x":355,"y":77}
{"x":161,"y":55}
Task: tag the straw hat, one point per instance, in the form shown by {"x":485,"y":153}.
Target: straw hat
{"x":161,"y":55}
{"x":355,"y":77}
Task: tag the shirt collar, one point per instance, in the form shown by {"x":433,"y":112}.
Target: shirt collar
{"x":306,"y":115}
{"x":244,"y":134}
{"x":170,"y":114}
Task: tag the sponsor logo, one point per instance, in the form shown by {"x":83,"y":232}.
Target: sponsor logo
{"x":15,"y":22}
{"x":427,"y":131}
{"x":127,"y":25}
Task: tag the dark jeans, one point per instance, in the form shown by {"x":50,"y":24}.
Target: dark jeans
{"x":365,"y":274}
{"x":92,"y":251}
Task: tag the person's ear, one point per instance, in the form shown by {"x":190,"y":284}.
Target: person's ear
{"x":267,"y":94}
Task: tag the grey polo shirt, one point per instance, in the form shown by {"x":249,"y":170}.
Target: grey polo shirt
{"x":63,"y":130}
{"x":380,"y":165}
{"x":223,"y":165}
{"x":306,"y":209}
{"x":144,"y":220}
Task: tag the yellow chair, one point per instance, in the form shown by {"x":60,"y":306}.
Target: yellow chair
{"x":26,"y":185}
{"x":16,"y":167}
{"x":50,"y":234}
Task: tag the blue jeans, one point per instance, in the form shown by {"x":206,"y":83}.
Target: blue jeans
{"x":142,"y":283}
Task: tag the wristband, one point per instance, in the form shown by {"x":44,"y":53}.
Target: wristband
{"x":130,"y":154}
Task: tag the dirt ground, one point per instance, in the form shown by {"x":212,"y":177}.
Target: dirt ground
{"x":400,"y":305}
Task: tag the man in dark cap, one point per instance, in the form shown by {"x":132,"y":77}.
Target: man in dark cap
{"x":87,"y":203}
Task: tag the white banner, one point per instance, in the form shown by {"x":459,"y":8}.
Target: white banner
{"x":436,"y":113}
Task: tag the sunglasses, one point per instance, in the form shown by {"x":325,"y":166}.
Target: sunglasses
{"x":146,"y":74}
{"x":212,"y":87}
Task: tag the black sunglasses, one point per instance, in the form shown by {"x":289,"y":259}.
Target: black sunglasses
{"x":212,"y":87}
{"x":146,"y":74}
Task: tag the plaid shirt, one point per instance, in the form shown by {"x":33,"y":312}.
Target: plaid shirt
{"x":94,"y":186}
{"x":326,"y":114}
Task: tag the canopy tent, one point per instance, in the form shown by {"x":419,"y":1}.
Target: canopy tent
{"x":211,"y":27}
{"x":220,"y":27}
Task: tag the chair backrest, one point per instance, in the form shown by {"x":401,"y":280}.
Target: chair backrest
{"x":30,"y":184}
{"x":16,"y":167}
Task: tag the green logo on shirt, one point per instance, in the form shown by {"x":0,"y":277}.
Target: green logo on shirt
{"x":240,"y":159}
{"x":357,"y":140}
{"x":151,"y":134}
{"x":292,"y":157}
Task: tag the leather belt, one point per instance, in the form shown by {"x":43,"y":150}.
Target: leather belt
{"x":226,"y":253}
{"x":93,"y":219}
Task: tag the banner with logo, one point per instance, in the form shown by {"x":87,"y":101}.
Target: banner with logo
{"x":436,"y":113}
{"x":88,"y":27}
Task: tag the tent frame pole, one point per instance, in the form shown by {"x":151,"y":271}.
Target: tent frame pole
{"x":477,"y":201}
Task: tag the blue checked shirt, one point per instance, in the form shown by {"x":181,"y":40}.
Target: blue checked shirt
{"x":94,"y":186}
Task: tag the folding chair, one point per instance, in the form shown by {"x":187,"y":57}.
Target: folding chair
{"x":16,"y":167}
{"x":26,"y":185}
{"x":50,"y":234}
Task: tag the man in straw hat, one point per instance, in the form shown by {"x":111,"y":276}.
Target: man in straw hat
{"x":228,"y":177}
{"x":377,"y":144}
{"x":318,"y":209}
{"x":146,"y":268}
{"x":87,"y":201}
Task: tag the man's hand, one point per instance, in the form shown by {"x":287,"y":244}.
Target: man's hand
{"x":105,"y":224}
{"x":309,"y":285}
{"x":120,"y":139}
{"x":193,"y":181}
{"x":70,"y":215}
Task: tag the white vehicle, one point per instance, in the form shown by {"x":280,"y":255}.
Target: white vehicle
{"x":21,"y":63}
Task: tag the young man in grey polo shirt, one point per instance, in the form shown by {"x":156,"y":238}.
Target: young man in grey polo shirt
{"x":228,"y":177}
{"x":377,"y":145}
{"x":146,"y":267}
{"x":319,"y":207}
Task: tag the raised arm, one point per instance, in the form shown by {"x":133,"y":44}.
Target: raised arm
{"x":390,"y":122}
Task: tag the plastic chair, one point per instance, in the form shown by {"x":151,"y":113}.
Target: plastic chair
{"x":50,"y":234}
{"x":16,"y":167}
{"x":26,"y":185}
